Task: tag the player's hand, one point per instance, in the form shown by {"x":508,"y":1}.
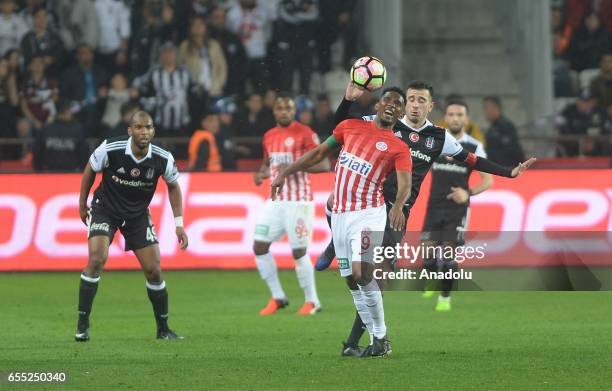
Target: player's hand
{"x":353,"y":91}
{"x":458,"y":195}
{"x":522,"y":167}
{"x":258,"y":178}
{"x":277,"y":186}
{"x":397,"y":218}
{"x":182,"y":237}
{"x":84,"y":214}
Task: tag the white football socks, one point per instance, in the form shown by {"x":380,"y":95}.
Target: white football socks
{"x":268,"y":272}
{"x":306,"y":279}
{"x":363,"y":311}
{"x":374,"y":303}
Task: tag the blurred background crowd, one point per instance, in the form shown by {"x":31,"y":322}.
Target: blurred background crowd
{"x":73,"y":71}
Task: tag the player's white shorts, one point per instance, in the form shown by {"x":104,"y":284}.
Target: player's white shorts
{"x":293,"y":218}
{"x":349,"y":243}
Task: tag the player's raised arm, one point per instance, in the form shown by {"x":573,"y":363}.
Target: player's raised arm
{"x":352,"y":93}
{"x":308,"y":160}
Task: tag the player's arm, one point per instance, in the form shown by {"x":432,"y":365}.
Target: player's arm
{"x":98,"y":161}
{"x":175,"y":196}
{"x":453,"y":149}
{"x":403,"y":172}
{"x":307,"y":161}
{"x":397,"y":220}
{"x":461,"y":196}
{"x":87,"y":181}
{"x":263,"y":173}
{"x":322,"y":166}
{"x":352,"y":93}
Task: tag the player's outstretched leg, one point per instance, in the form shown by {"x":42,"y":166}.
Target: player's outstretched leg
{"x":88,"y":287}
{"x":156,"y":289}
{"x":444,"y":300}
{"x":269,"y":273}
{"x":327,"y":256}
{"x":306,"y":279}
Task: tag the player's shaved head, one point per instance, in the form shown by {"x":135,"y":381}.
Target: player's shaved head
{"x":140,"y":114}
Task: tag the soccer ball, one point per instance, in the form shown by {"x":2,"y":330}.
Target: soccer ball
{"x":369,"y":72}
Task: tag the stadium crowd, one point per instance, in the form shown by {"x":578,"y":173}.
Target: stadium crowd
{"x":582,"y":64}
{"x":72,"y":70}
{"x":209,"y":70}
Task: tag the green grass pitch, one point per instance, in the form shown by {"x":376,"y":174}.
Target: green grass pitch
{"x":490,"y":340}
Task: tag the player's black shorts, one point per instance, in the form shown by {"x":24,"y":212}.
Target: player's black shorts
{"x":138,"y":232}
{"x":446,"y":225}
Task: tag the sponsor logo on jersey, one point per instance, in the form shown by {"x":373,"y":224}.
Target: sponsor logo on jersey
{"x":289,"y":141}
{"x":414,"y":137}
{"x":150,"y":173}
{"x":354,"y":163}
{"x":429,"y":142}
{"x":281,"y":158}
{"x":131,"y":183}
{"x":135,"y":172}
{"x":381,"y":146}
{"x":419,"y":155}
{"x":121,"y":170}
{"x":450,"y":168}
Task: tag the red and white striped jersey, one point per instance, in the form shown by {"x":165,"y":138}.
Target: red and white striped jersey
{"x":283,"y":146}
{"x":368,"y":155}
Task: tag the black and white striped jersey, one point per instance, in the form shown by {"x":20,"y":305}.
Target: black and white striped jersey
{"x":128,"y":184}
{"x":452,"y":173}
{"x":166,"y":94}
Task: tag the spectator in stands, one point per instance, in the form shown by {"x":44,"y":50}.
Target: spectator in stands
{"x":323,"y":123}
{"x":203,"y":146}
{"x":164,"y":90}
{"x":578,"y":119}
{"x":269,"y":99}
{"x":471,"y":127}
{"x":601,"y":85}
{"x":203,"y":8}
{"x":9,"y":99}
{"x":234,"y":52}
{"x":562,"y":29}
{"x":118,"y":95}
{"x":157,"y":26}
{"x":13,"y":57}
{"x":295,"y":43}
{"x":588,"y":44}
{"x":255,"y":119}
{"x":83,"y":84}
{"x":606,"y":124}
{"x":226,"y":108}
{"x":503,"y":145}
{"x":336,"y":21}
{"x":120,"y":129}
{"x":204,"y":58}
{"x":38,"y":95}
{"x":61,"y":145}
{"x":114,"y":22}
{"x":77,"y":21}
{"x":28,"y":11}
{"x":251,"y":21}
{"x":12,"y":27}
{"x":304,"y":110}
{"x":40,"y":41}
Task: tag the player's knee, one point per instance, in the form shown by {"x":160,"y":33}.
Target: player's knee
{"x":261,"y":248}
{"x":298,"y":253}
{"x":96,"y":261}
{"x":153,"y":272}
